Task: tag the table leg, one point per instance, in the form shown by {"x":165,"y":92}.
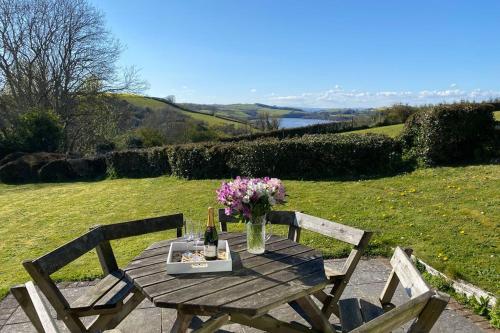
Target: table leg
{"x":313,"y":314}
{"x":181,"y":323}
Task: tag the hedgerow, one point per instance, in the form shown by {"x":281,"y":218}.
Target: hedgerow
{"x":307,"y":157}
{"x":328,"y":128}
{"x":450,"y":133}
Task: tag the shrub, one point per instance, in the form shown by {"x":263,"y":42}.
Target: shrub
{"x":25,"y":168}
{"x":11,"y":157}
{"x":138,"y":163}
{"x":89,"y":168}
{"x":308,"y":157}
{"x":201,"y":161}
{"x":448,"y":134}
{"x":395,"y":114}
{"x":105,"y":147}
{"x":39,"y":131}
{"x":57,"y":171}
{"x":17,"y":172}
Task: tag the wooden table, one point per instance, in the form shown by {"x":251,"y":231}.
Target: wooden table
{"x":287,"y":272}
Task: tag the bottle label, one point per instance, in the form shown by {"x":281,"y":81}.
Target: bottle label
{"x":210,"y":251}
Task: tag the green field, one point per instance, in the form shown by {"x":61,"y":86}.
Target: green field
{"x":243,"y":111}
{"x":391,"y":130}
{"x":394,"y":130}
{"x":156,"y":105}
{"x":449,"y":216}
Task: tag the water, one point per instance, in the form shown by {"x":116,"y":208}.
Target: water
{"x":300,"y":122}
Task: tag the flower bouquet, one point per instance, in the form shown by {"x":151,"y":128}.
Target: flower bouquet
{"x":250,"y":199}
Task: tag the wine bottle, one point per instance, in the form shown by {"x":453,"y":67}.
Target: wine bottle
{"x":211,"y":238}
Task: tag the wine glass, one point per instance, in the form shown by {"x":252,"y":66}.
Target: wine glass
{"x":197,"y":236}
{"x":188,"y":236}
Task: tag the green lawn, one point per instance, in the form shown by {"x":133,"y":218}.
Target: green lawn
{"x":497,"y":115}
{"x":450,"y":216}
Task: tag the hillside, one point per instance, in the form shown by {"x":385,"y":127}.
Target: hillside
{"x":177,"y":123}
{"x":159,"y":106}
{"x":245,"y":111}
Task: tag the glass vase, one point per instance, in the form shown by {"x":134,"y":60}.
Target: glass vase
{"x":256,"y":235}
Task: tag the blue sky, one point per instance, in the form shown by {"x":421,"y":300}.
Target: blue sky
{"x":311,"y":53}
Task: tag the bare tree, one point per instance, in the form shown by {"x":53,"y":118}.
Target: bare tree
{"x":265,"y":122}
{"x":57,"y":53}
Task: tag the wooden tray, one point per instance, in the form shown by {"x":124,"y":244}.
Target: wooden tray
{"x":174,"y":266}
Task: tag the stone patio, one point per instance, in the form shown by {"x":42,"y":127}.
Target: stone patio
{"x":367,"y":281}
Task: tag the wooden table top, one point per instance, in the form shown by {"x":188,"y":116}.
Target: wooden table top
{"x":285,"y":272}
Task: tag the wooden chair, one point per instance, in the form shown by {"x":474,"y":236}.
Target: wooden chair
{"x":425,"y":305}
{"x":110,"y":300}
{"x":297,"y":221}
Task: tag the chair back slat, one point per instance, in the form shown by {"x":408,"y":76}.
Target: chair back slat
{"x":408,"y":275}
{"x":63,"y":255}
{"x":396,"y":317}
{"x":331,"y":229}
{"x":141,"y":227}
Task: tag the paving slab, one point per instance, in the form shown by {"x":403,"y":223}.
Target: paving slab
{"x":367,"y":282}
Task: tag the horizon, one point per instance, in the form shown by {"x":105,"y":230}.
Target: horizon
{"x":340,"y":55}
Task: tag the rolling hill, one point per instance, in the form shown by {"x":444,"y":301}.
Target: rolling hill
{"x":160,"y":105}
{"x":245,"y":111}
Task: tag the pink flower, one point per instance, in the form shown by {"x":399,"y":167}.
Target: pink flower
{"x":247,"y":197}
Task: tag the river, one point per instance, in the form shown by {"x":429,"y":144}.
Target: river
{"x":300,"y":122}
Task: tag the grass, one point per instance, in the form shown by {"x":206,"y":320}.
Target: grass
{"x":391,"y":130}
{"x":394,"y":130}
{"x":449,"y":216}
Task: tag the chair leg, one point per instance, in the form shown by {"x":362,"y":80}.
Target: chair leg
{"x":23,"y":298}
{"x":330,"y":304}
{"x":430,"y":314}
{"x":317,"y":318}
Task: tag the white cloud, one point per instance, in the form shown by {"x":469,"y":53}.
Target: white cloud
{"x":453,"y":85}
{"x":253,"y":90}
{"x":339,"y":97}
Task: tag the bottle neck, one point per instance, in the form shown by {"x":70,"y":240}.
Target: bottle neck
{"x":210,"y":220}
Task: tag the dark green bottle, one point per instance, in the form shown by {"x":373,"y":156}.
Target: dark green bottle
{"x":211,"y":237}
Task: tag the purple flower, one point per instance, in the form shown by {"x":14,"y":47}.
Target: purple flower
{"x":248,"y":197}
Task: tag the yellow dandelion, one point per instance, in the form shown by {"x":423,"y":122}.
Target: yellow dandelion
{"x":445,"y":258}
{"x":462,"y":232}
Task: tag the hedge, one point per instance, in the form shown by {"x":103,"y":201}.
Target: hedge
{"x":307,"y":157}
{"x":138,"y":163}
{"x":450,"y":133}
{"x":18,"y":168}
{"x":328,"y":128}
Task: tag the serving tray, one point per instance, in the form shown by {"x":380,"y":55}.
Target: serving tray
{"x":174,"y":266}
